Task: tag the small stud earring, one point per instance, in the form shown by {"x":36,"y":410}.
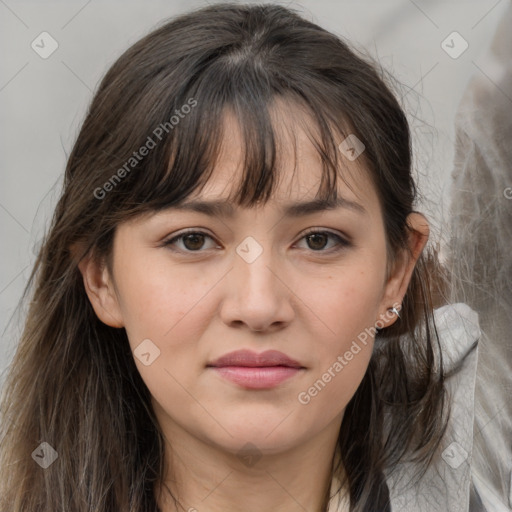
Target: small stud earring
{"x":394,"y":311}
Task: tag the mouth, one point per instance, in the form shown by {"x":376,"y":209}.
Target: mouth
{"x":256,"y":371}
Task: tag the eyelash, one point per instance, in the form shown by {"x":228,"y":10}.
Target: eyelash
{"x":341,"y":242}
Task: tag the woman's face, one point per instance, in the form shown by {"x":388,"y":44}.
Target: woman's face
{"x":250,"y":279}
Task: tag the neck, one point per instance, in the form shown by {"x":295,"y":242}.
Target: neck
{"x":205,"y":478}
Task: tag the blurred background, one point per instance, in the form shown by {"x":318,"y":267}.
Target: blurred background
{"x":55,"y":53}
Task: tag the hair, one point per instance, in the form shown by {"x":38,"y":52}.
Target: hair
{"x":73,"y":382}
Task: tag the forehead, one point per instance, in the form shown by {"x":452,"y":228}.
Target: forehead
{"x":298,"y":167}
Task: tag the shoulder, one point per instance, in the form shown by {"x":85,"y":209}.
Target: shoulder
{"x":458,"y":329}
{"x":446,"y":485}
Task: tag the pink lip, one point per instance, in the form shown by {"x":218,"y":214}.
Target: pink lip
{"x":256,"y":371}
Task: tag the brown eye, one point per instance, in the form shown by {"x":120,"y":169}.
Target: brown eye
{"x":191,"y":241}
{"x":318,"y":241}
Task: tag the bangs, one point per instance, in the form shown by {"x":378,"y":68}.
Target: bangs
{"x":268,"y":115}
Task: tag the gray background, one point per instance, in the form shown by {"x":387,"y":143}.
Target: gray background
{"x":43,"y":101}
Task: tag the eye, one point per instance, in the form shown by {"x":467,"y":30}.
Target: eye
{"x":317,"y":240}
{"x":192,"y":241}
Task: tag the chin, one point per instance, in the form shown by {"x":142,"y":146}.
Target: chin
{"x":267,"y":434}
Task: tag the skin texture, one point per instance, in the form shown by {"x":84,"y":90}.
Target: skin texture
{"x":300,"y":297}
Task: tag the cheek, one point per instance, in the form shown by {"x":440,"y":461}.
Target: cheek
{"x":347,"y":302}
{"x":171,"y":309}
{"x":332,"y":388}
{"x":160,"y":302}
{"x":341,"y":358}
{"x":347,"y":306}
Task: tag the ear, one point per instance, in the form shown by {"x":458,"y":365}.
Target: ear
{"x":403,"y":267}
{"x":100,"y":290}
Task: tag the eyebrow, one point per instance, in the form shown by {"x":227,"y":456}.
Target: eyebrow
{"x":222,"y":208}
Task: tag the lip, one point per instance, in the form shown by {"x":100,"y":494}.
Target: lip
{"x":251,"y":359}
{"x":256,"y":371}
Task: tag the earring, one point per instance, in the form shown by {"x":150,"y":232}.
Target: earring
{"x":394,"y":311}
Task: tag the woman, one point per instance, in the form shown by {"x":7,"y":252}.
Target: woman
{"x":191,"y":345}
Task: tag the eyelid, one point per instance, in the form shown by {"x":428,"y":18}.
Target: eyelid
{"x":312,"y":231}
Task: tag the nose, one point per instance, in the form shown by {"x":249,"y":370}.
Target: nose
{"x":257,"y":295}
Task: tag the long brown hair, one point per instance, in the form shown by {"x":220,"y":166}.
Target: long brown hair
{"x":73,"y":382}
